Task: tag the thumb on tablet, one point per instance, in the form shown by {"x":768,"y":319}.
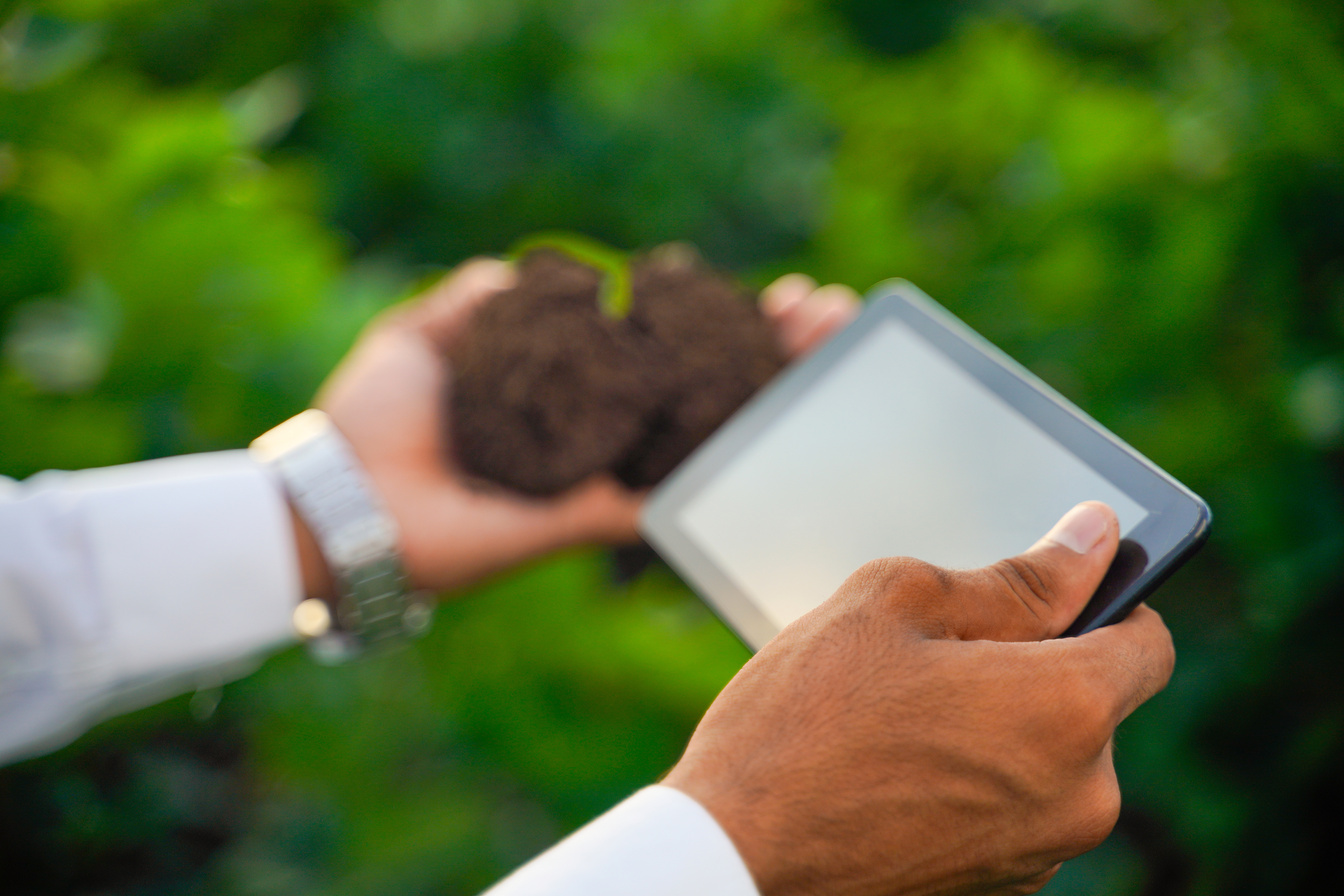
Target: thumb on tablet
{"x":1037,"y":594}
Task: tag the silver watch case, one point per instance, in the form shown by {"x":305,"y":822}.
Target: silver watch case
{"x":355,"y":533}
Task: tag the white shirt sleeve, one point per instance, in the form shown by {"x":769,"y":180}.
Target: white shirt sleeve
{"x":124,"y":585}
{"x":659,"y":842}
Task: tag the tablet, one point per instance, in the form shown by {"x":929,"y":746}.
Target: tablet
{"x":907,"y":434}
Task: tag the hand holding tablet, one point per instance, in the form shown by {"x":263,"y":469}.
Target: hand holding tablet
{"x":906,"y":435}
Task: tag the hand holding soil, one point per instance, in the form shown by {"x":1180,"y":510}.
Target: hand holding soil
{"x":387,"y":398}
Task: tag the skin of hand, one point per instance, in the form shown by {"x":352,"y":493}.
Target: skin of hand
{"x":923,"y":731}
{"x":386,"y":398}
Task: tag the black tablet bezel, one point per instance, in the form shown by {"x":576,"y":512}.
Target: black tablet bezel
{"x":1176,"y":524}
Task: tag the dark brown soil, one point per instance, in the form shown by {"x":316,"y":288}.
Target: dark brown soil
{"x":548,"y":390}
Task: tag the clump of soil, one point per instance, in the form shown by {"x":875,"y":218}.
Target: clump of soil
{"x":548,"y":389}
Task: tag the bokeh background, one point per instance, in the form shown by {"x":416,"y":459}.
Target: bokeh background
{"x":201,"y":201}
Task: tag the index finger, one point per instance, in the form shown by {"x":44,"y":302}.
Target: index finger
{"x":805,"y":315}
{"x":1128,"y":662}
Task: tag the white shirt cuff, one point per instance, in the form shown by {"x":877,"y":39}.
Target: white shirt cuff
{"x":659,"y":842}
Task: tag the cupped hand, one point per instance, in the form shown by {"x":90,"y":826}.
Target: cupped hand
{"x":387,"y":399}
{"x":925,"y":731}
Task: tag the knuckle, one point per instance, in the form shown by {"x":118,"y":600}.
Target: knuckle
{"x":874,"y":576}
{"x":1159,"y":648}
{"x":1098,"y":811}
{"x":1031,"y":884}
{"x":902,"y":574}
{"x":910,"y":587}
{"x":1166,"y":657}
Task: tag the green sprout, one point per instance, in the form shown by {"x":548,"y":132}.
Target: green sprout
{"x":615,"y":296}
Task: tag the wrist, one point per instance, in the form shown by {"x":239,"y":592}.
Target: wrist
{"x":747,"y":826}
{"x":346,"y":541}
{"x":314,"y":573}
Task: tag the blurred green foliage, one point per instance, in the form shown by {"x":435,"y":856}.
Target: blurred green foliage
{"x":202,"y":200}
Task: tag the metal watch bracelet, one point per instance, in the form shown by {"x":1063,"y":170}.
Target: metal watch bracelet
{"x":355,"y":533}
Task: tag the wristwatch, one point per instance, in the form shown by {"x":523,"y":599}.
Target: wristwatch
{"x":357,"y":536}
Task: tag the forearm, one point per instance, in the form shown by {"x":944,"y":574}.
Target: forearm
{"x":314,"y":574}
{"x":123,"y":585}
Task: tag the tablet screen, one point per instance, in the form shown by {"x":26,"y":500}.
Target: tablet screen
{"x":895,"y":450}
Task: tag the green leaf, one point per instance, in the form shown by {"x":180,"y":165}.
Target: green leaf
{"x":615,"y":297}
